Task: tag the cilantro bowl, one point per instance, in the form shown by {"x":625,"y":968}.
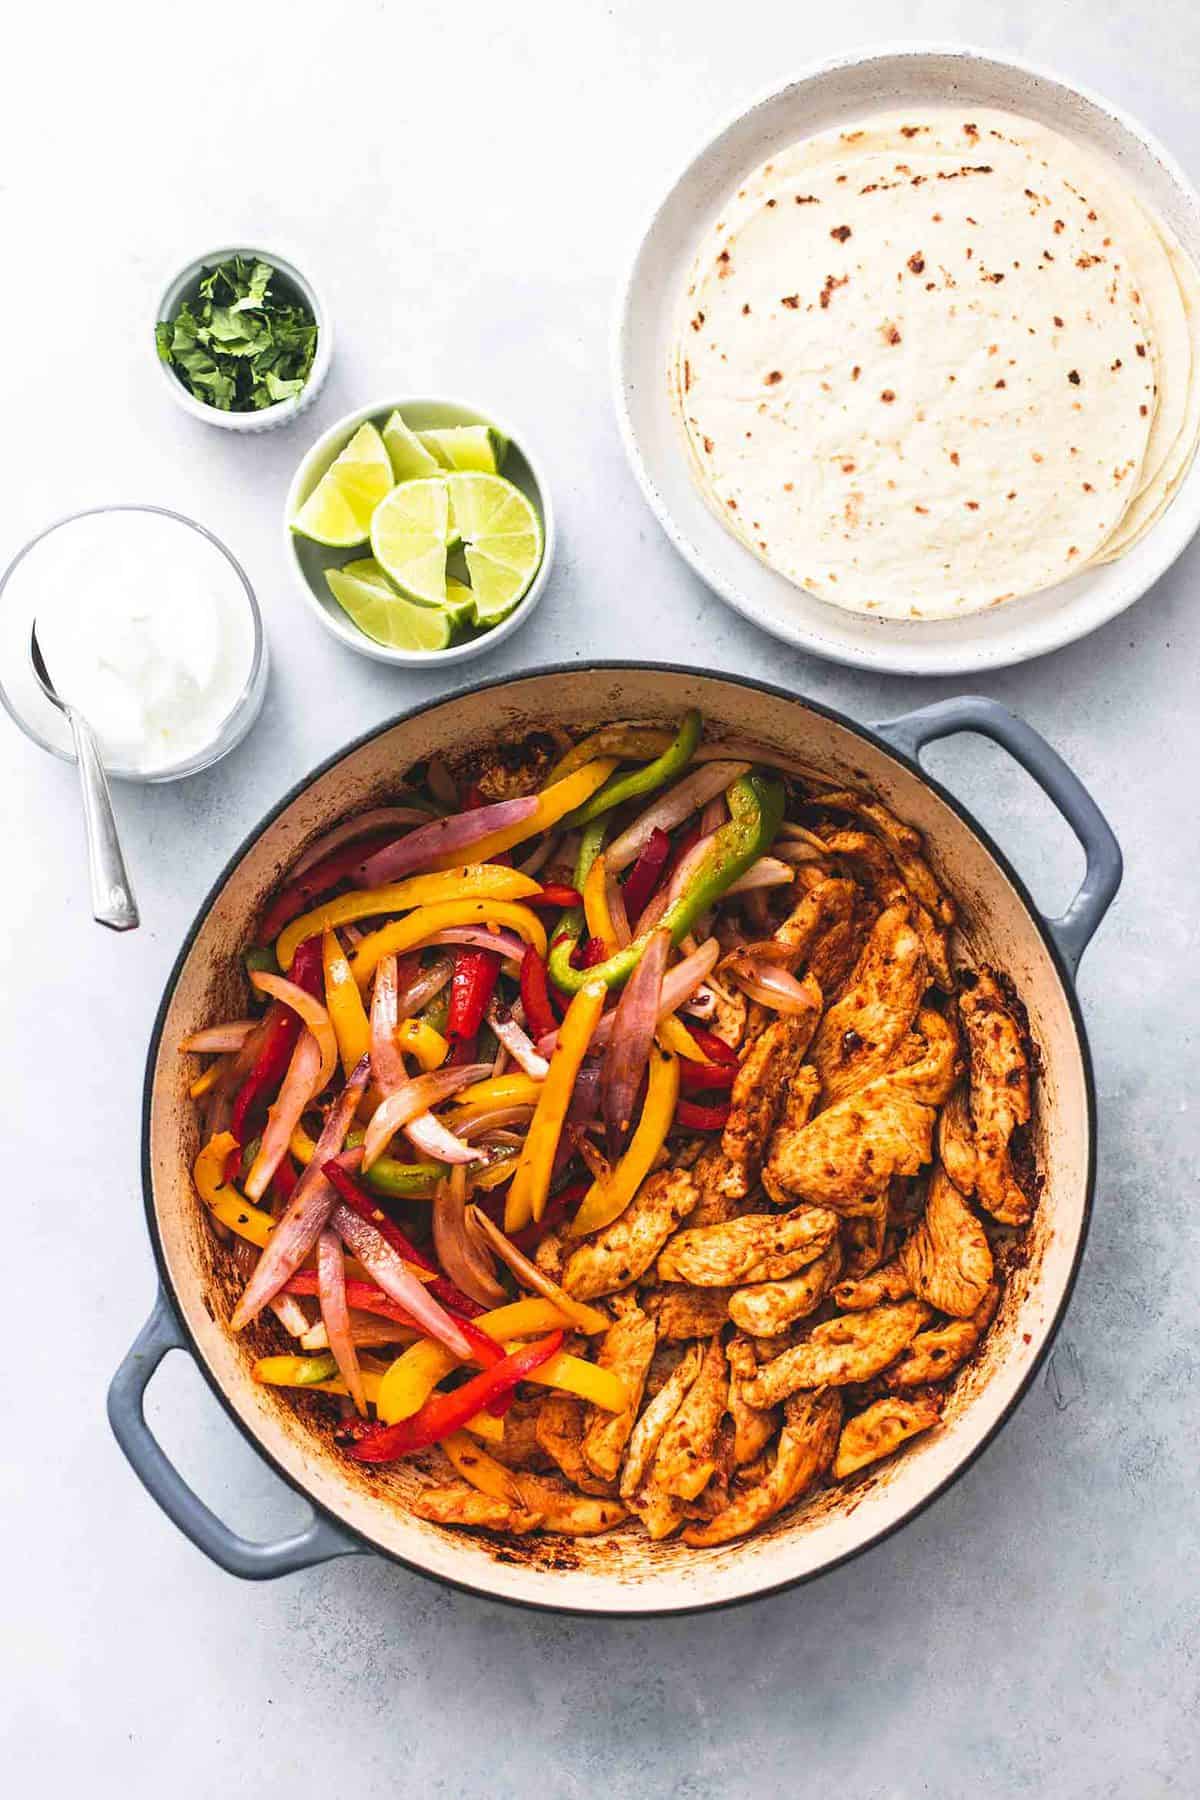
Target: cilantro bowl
{"x":272,"y":370}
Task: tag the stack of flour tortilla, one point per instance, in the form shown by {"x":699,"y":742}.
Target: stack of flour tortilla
{"x":937,"y":361}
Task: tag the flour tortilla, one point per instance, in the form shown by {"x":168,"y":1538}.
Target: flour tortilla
{"x":1141,"y":242}
{"x":878,"y":393}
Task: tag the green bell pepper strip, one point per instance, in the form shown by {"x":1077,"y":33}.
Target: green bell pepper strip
{"x":397,"y":1180}
{"x":756,"y":808}
{"x":652,"y":775}
{"x":571,"y":924}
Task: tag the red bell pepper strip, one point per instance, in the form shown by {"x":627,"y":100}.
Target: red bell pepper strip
{"x":719,"y":1072}
{"x":700,"y":1118}
{"x":556,"y":893}
{"x":462,"y":1052}
{"x":284,"y":1180}
{"x":645,"y":875}
{"x":298,"y":895}
{"x":594,"y":951}
{"x":713,"y":1046}
{"x":471,"y":987}
{"x":279,"y":1038}
{"x":444,"y":1413}
{"x":364,"y":1296}
{"x":557,"y":1208}
{"x":540,"y":1016}
{"x":368,"y":1208}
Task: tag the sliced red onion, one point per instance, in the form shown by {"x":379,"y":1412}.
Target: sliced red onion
{"x":299,"y":1086}
{"x":366,"y":824}
{"x":493,"y":1120}
{"x":387,"y":1065}
{"x":424,"y":987}
{"x":670,"y":809}
{"x":505,"y":943}
{"x":459,"y":1251}
{"x":219,"y":1040}
{"x":414,"y":1098}
{"x":682,"y":878}
{"x":393,"y":1275}
{"x":548,"y":847}
{"x":767,"y":872}
{"x":714,"y":815}
{"x":306,"y":1213}
{"x":288,"y":1310}
{"x":616,"y":911}
{"x":634,"y":1023}
{"x":331,"y":1292}
{"x":518,"y":1045}
{"x":442,"y":837}
{"x":428,"y":1135}
{"x":679,"y":984}
{"x":768,"y":983}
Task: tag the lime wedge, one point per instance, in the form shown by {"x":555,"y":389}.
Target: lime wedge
{"x":361,"y":589}
{"x":410,"y":458}
{"x":477,"y":447}
{"x":460,"y":602}
{"x":338,"y":511}
{"x":503,"y":539}
{"x":409,"y":534}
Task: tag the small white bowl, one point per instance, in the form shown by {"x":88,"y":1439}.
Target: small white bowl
{"x":183,"y":286}
{"x":309,"y":561}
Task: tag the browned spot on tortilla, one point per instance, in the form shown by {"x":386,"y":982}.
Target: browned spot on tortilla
{"x":807,"y":200}
{"x":1073,"y":377}
{"x":972,"y":505}
{"x":954,"y":458}
{"x":792,"y":300}
{"x":832,"y":282}
{"x":889,"y":333}
{"x":887,"y":396}
{"x":916,"y":263}
{"x":840,"y":232}
{"x":1141,"y":349}
{"x":848,"y":468}
{"x":772,"y":376}
{"x":708,"y":446}
{"x":855,"y":372}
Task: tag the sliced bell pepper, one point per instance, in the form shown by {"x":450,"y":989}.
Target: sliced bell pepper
{"x":419,"y":926}
{"x":440,"y":1287}
{"x":388,"y":1176}
{"x":472,"y":985}
{"x":294,"y":896}
{"x":674,"y":1035}
{"x":715,"y":1048}
{"x":556,"y":893}
{"x":596,"y":909}
{"x":462,"y":881}
{"x":557,"y":1208}
{"x":344,"y":1004}
{"x":210,"y":1077}
{"x":511,"y":1089}
{"x":222,"y":1198}
{"x":651,"y":776}
{"x":608,"y":1198}
{"x":282,"y":1028}
{"x":644,"y":877}
{"x":553,"y":803}
{"x":701,"y":1118}
{"x":531,"y":1184}
{"x":625,"y":743}
{"x":720,"y":1064}
{"x":756,"y":808}
{"x":481,"y":1470}
{"x":540,"y":1015}
{"x":694,"y":1076}
{"x":418,"y":1039}
{"x":276,"y":1371}
{"x":444,"y":1413}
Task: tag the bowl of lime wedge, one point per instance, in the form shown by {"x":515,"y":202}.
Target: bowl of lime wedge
{"x":420,"y":531}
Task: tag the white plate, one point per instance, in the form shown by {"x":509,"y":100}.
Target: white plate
{"x":828,"y":95}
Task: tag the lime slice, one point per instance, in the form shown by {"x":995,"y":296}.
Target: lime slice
{"x":409,"y":534}
{"x":361,"y":589}
{"x":338,"y":511}
{"x":477,"y":447}
{"x":460,"y":602}
{"x":410,"y":458}
{"x":503,"y":539}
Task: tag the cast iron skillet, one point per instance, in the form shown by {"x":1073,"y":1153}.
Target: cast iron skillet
{"x":903,"y":739}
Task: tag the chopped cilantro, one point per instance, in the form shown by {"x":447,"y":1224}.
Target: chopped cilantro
{"x":246,"y":340}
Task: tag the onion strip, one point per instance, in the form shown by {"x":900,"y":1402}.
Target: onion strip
{"x":441,"y":837}
{"x":315,"y":1016}
{"x":219,"y":1040}
{"x":670,"y":809}
{"x":414,"y":1098}
{"x":459,"y":1249}
{"x":335,"y":1314}
{"x":301,"y":1082}
{"x":586,"y":1318}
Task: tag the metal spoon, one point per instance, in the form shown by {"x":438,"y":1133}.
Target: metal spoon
{"x":113,"y":903}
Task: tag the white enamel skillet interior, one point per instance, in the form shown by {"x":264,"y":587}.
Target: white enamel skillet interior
{"x":356,"y":1509}
{"x":820,"y":98}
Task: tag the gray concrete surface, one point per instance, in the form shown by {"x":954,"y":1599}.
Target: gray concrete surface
{"x":468,"y":181}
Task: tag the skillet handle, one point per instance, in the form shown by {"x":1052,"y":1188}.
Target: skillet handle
{"x":1073,"y":931}
{"x":317,"y":1543}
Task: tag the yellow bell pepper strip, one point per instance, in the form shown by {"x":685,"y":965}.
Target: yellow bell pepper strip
{"x":674,"y":1035}
{"x":274,"y":1371}
{"x":444,"y":1413}
{"x":624,"y":743}
{"x":405,"y":934}
{"x":483,"y":1097}
{"x":344,"y":1004}
{"x":530,"y":1188}
{"x":596,"y":909}
{"x":458,"y":881}
{"x":553,"y":804}
{"x":481,"y":1470}
{"x":495,"y":1174}
{"x":526,"y":1318}
{"x":755,"y":808}
{"x":203,"y":1083}
{"x":222,"y":1198}
{"x":608,"y":1199}
{"x":418,"y":1039}
{"x":652,"y":775}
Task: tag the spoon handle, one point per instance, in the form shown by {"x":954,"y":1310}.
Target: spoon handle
{"x":113,"y":903}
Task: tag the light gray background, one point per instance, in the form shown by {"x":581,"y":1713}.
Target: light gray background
{"x":468,"y":182}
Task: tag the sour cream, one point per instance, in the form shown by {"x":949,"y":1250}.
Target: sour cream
{"x":145,"y":626}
